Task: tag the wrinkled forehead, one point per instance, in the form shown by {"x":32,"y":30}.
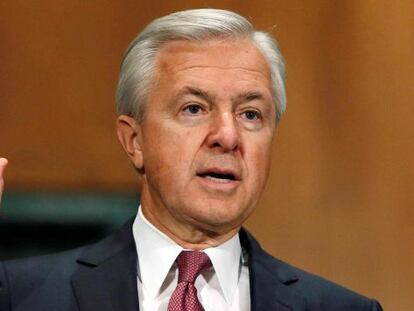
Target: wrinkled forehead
{"x":219,"y":53}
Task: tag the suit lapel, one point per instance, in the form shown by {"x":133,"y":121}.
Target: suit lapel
{"x":272,"y":282}
{"x":106,"y":279}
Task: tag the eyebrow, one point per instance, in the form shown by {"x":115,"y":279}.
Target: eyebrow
{"x":196,"y":92}
{"x":248,"y":96}
{"x":241,"y":98}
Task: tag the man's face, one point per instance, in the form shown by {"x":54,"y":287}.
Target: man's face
{"x":206,"y":135}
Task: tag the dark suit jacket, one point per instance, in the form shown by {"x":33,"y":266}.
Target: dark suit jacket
{"x":102,"y":277}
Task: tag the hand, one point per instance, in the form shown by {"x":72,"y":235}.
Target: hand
{"x":3,"y":164}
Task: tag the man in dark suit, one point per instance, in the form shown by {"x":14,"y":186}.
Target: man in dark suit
{"x":199,"y":96}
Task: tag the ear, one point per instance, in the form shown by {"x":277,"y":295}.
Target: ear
{"x":130,"y":136}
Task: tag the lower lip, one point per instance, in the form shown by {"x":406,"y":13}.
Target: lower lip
{"x":218,"y":183}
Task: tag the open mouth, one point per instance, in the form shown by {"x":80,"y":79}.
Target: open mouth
{"x":218,"y":175}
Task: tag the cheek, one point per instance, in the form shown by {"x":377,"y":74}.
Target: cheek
{"x":171,"y":150}
{"x":260,"y":160}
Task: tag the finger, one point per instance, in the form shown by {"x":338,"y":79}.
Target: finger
{"x":3,"y":164}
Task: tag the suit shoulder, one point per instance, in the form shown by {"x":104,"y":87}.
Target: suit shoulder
{"x":46,"y":282}
{"x":322,"y":292}
{"x":42,"y":266}
{"x":35,"y":280}
{"x":316,"y":292}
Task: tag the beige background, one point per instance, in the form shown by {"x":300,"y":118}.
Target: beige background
{"x":340,"y":197}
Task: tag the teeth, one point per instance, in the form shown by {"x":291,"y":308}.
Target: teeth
{"x":222,"y":180}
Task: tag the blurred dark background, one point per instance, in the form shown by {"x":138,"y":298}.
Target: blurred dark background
{"x":37,"y":223}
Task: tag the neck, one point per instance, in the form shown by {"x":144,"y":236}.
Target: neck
{"x":186,"y":235}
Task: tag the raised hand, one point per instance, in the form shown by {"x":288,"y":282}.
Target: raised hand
{"x":3,"y":164}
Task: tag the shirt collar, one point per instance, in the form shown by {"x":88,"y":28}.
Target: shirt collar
{"x":226,"y":259}
{"x":157,"y":253}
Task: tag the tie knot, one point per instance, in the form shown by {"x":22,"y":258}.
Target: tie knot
{"x":191,"y":264}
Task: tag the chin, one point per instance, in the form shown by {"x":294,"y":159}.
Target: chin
{"x":220,"y":218}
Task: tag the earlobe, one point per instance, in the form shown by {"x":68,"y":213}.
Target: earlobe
{"x":129,"y":135}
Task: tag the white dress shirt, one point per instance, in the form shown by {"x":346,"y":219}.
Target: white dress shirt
{"x":225,"y":286}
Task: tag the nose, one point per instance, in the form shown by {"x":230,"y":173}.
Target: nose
{"x":224,"y":133}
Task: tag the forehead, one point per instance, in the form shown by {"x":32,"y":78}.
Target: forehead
{"x":231,"y":55}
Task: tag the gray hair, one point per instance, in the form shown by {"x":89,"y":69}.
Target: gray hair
{"x":138,"y":65}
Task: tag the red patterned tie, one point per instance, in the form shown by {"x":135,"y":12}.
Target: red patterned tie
{"x":190,"y":265}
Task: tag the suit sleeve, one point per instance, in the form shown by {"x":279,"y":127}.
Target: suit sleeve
{"x":4,"y":290}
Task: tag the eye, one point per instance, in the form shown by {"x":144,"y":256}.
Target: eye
{"x":251,"y":115}
{"x":193,"y":109}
